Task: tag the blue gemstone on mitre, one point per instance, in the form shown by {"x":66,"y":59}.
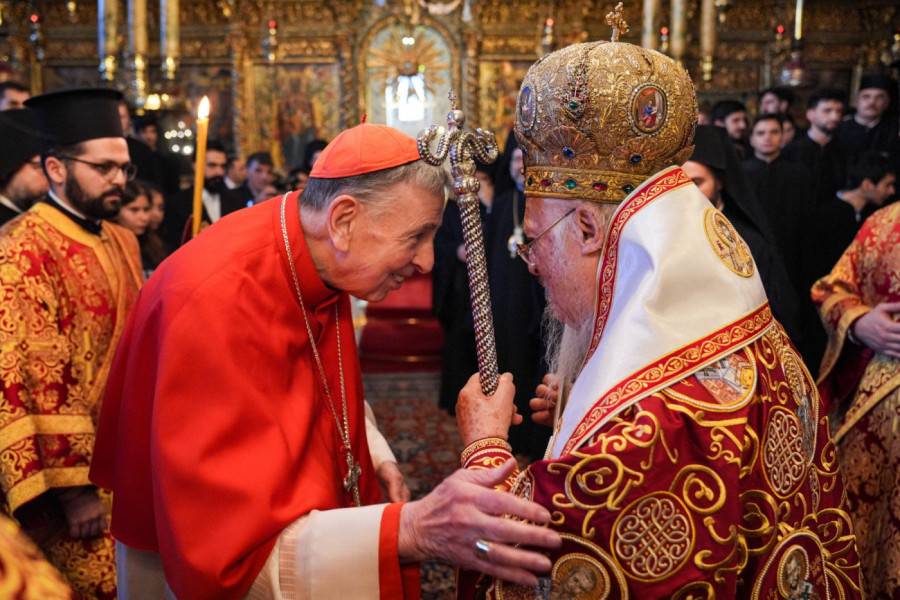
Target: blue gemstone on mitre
{"x":636,"y":159}
{"x":568,"y":152}
{"x":573,"y":105}
{"x":627,"y":188}
{"x":570,"y":183}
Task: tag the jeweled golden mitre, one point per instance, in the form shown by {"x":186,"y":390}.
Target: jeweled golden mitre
{"x":595,"y":120}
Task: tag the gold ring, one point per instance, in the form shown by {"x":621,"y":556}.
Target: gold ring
{"x":482,"y":548}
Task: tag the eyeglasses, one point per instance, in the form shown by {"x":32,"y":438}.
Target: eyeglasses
{"x":524,"y":250}
{"x":109,"y":170}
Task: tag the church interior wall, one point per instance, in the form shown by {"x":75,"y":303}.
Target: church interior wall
{"x":280,"y":72}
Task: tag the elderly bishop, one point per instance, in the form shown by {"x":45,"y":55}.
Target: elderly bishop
{"x":692,"y":458}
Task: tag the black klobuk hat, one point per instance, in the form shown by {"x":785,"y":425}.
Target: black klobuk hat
{"x":76,"y":115}
{"x":18,"y":140}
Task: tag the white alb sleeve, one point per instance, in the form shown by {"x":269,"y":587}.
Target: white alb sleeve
{"x":325,"y":555}
{"x":378,"y":446}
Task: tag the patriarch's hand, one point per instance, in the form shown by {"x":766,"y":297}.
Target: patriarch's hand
{"x":543,"y":405}
{"x":479,"y":416}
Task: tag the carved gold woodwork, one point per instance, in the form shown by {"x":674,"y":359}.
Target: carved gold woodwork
{"x":348,"y":78}
{"x":522,"y":46}
{"x":319,"y":48}
{"x":472,"y":69}
{"x":487,"y":52}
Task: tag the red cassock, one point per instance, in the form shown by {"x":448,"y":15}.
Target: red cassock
{"x":216,"y":433}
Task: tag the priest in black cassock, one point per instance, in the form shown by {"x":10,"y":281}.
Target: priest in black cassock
{"x":517,"y":300}
{"x":22,"y":179}
{"x":784,"y":191}
{"x":875,"y":126}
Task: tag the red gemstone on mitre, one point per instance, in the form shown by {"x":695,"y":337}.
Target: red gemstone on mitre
{"x":599,"y":186}
{"x":545,"y":182}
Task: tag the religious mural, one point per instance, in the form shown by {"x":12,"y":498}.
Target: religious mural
{"x":294,"y":105}
{"x":215,"y":82}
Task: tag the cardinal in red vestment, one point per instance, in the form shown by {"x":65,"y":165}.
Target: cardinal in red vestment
{"x":233,"y":433}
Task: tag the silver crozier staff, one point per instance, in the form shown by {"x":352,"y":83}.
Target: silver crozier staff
{"x":463,"y":147}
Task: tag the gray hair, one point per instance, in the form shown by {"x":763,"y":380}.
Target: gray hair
{"x":369,"y":188}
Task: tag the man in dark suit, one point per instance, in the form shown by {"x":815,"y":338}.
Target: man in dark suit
{"x":216,"y":203}
{"x":22,"y":180}
{"x":259,"y":176}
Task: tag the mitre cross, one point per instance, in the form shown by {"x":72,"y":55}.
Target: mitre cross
{"x":617,"y":22}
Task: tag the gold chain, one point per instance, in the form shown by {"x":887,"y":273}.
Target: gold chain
{"x":351,"y":481}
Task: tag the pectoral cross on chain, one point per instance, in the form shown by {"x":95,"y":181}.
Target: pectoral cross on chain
{"x":351,"y":481}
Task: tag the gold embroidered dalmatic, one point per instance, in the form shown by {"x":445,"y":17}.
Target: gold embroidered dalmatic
{"x":65,"y":296}
{"x":864,"y":387}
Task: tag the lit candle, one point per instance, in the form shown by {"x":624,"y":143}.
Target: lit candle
{"x":798,"y":21}
{"x":200,"y":169}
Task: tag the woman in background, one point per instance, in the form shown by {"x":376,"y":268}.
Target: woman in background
{"x":153,"y":249}
{"x":142,"y":213}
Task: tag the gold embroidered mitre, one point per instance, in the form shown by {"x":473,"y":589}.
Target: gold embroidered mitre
{"x":595,"y":120}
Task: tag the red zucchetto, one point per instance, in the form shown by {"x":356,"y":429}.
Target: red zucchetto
{"x":365,"y":148}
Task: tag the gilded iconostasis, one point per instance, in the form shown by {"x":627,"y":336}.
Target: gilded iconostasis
{"x":280,"y":73}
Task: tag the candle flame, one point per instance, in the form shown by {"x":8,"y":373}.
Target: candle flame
{"x":203,"y":109}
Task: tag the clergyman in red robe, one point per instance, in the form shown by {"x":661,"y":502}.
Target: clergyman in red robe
{"x":233,"y":433}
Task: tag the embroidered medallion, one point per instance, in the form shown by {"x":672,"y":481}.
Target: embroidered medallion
{"x":731,"y":379}
{"x":783,"y":451}
{"x":731,"y":249}
{"x":653,"y":537}
{"x":589,"y":574}
{"x":797,"y":570}
{"x":648,"y":109}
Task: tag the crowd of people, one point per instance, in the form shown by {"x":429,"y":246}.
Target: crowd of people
{"x":185,"y":417}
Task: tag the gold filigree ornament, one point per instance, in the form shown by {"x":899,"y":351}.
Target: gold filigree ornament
{"x":595,"y":120}
{"x":653,"y":537}
{"x":783,"y":449}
